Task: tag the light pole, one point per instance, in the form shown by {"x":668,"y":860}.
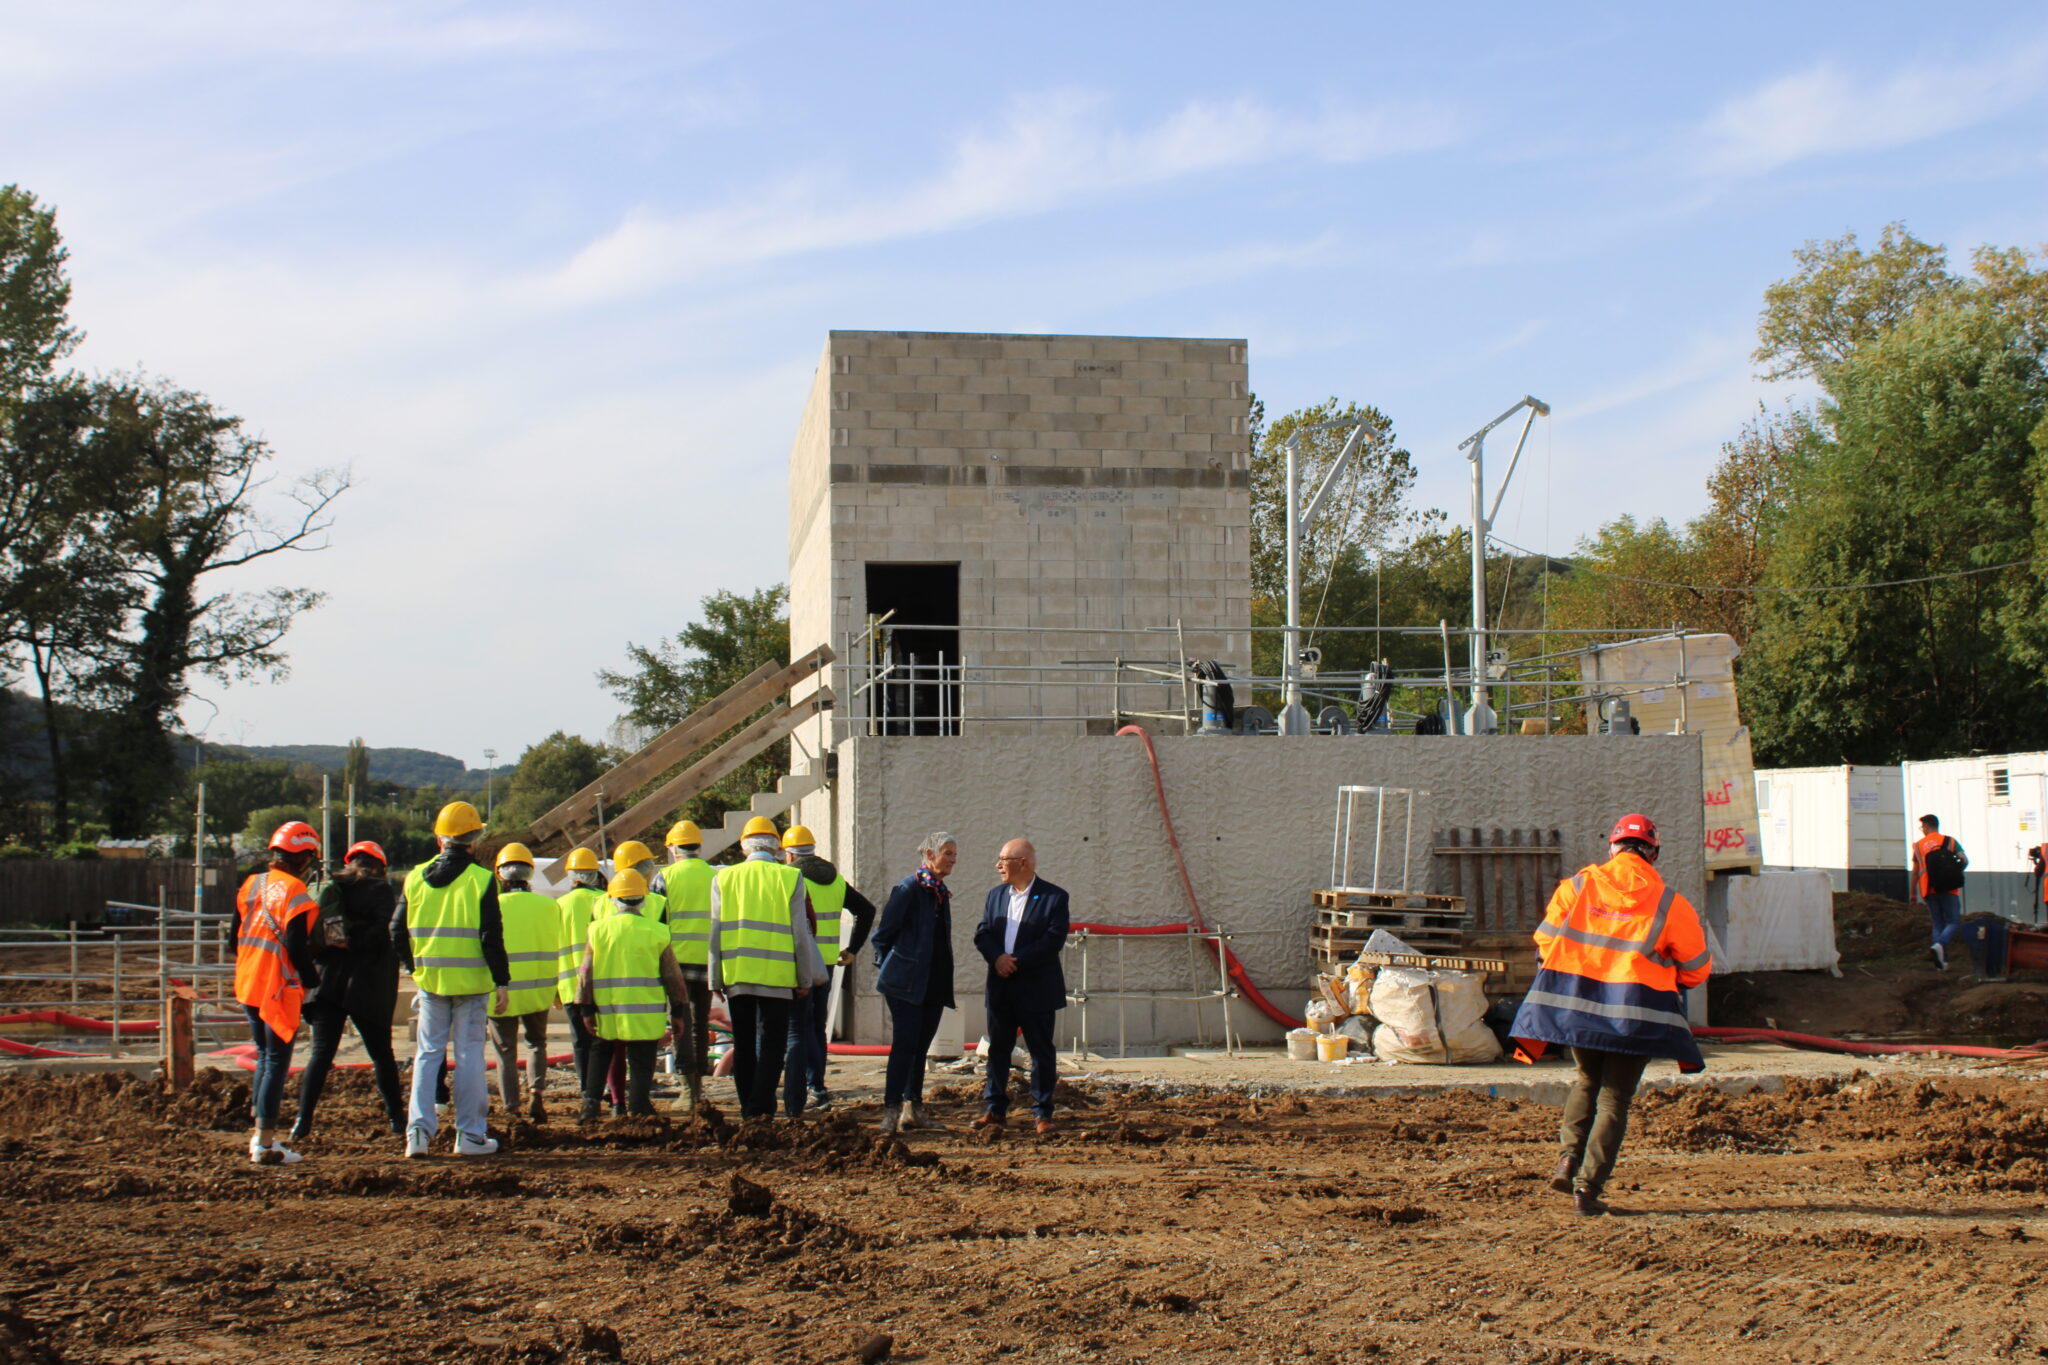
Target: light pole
{"x":1479,"y":719}
{"x":490,"y":773}
{"x":1293,"y":715}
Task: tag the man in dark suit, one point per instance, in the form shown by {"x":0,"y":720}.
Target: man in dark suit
{"x":1023,"y":927}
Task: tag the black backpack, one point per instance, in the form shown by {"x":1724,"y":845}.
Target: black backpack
{"x":1944,"y":864}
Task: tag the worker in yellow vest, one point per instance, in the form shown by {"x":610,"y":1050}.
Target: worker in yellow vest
{"x":626,"y":987}
{"x":686,"y":882}
{"x":532,"y":949}
{"x":763,"y":960}
{"x":634,"y":856}
{"x":829,"y":895}
{"x":450,"y":935}
{"x":573,"y":915}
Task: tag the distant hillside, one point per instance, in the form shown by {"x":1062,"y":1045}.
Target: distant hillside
{"x":407,"y":767}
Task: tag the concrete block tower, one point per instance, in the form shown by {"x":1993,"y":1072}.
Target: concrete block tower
{"x":1027,"y":501}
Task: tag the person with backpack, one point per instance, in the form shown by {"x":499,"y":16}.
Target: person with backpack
{"x":1938,"y":864}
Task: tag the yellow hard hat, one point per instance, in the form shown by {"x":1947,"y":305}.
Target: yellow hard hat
{"x":798,"y":836}
{"x":627,"y":885}
{"x":456,"y":819}
{"x":514,"y":853}
{"x":631,"y":854}
{"x":683,"y":833}
{"x":760,"y":824}
{"x":582,"y":860}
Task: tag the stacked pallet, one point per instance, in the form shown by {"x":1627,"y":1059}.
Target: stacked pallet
{"x":1433,"y":925}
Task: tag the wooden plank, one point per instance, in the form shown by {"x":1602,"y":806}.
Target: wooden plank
{"x":656,"y":804}
{"x":1364,"y":920}
{"x":682,"y":739}
{"x":1386,"y":900}
{"x":1434,"y":962}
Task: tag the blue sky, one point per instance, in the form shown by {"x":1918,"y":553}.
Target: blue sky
{"x":551,"y":280}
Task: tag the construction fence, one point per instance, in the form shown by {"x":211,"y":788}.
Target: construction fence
{"x":55,"y":892}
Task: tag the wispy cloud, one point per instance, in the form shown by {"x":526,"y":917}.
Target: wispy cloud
{"x":1051,"y":151}
{"x":1824,"y":110}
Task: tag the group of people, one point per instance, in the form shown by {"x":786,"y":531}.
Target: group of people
{"x":635,"y":961}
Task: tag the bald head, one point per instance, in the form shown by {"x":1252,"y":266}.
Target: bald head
{"x":1017,"y":863}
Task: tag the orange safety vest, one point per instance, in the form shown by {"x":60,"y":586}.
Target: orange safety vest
{"x":1923,"y":846}
{"x":265,"y":979}
{"x":1617,"y":946}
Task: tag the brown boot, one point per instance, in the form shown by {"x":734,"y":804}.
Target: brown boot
{"x":1567,"y":1171}
{"x":1587,"y":1204}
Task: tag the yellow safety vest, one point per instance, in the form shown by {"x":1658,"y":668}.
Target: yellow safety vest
{"x":625,"y":968}
{"x":533,"y":939}
{"x":689,"y":919}
{"x":653,"y":909}
{"x":573,"y":912}
{"x":828,"y":900}
{"x":756,"y":943}
{"x":446,"y":926}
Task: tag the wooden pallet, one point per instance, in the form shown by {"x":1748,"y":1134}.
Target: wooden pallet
{"x":1363,"y":922}
{"x":1328,"y":946}
{"x":1516,"y":952}
{"x":1431,"y":962}
{"x":1386,"y":900}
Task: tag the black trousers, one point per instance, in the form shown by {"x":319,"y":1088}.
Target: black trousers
{"x":1596,"y":1113}
{"x":1004,"y":1024}
{"x":639,"y":1055}
{"x":693,"y":1031}
{"x":912,"y":1026}
{"x":760,"y":1037}
{"x":580,"y":1038}
{"x":374,"y":1029}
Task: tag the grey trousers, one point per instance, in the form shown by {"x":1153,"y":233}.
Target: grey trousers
{"x":1596,"y":1114}
{"x":505,"y":1041}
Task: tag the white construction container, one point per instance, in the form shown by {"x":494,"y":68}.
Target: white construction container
{"x":1993,"y":807}
{"x":1846,"y":820}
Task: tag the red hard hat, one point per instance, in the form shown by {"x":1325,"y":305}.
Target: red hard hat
{"x":1635,"y":827}
{"x":295,"y":836}
{"x":369,"y":846}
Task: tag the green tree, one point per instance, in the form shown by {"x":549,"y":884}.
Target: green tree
{"x":1842,"y":297}
{"x":549,"y":773}
{"x":1927,"y":467}
{"x":35,"y":293}
{"x":355,"y":768}
{"x":735,"y":636}
{"x":234,"y":790}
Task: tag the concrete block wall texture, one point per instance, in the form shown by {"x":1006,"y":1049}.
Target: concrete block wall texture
{"x":1254,"y":817}
{"x":1095,"y":484}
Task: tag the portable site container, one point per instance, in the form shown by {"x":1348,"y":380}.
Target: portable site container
{"x":1992,"y":805}
{"x":1847,"y":820}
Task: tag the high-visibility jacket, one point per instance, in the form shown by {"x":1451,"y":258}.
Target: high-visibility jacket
{"x":689,"y":909}
{"x":1617,"y":946}
{"x":264,"y":977}
{"x":1923,"y":846}
{"x":653,"y":908}
{"x":756,"y":942}
{"x":533,"y":946}
{"x":827,"y":900}
{"x":446,"y":925}
{"x":573,"y":914}
{"x":625,"y":970}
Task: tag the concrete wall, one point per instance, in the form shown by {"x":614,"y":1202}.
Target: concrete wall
{"x":1254,"y":817}
{"x":1086,"y":486}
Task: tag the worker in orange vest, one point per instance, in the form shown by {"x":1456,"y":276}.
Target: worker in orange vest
{"x":2039,"y":853}
{"x":1938,"y":866}
{"x":1617,"y":946}
{"x":274,"y":968}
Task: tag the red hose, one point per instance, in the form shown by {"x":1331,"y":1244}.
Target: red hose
{"x":1230,"y":961}
{"x":1133,"y":928}
{"x":78,"y":1023}
{"x":14,"y":1049}
{"x":1815,"y":1043}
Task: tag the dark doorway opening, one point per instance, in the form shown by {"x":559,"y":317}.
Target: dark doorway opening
{"x":920,"y":646}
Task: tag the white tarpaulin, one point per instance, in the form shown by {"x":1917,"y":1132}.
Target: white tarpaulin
{"x":1774,"y":922}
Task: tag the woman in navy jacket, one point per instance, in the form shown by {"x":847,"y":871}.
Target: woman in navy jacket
{"x":914,"y":947}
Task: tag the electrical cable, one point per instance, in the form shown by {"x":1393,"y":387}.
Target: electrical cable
{"x":1710,"y":587}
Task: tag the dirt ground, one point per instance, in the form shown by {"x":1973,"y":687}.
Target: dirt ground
{"x":1844,"y":1219}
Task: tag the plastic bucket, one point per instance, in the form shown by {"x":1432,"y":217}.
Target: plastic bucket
{"x":1332,"y":1047}
{"x":1301,"y":1045}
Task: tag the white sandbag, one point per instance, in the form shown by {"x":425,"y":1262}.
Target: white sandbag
{"x":1432,"y":1018}
{"x":1321,"y":1016}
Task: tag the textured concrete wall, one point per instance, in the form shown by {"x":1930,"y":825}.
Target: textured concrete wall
{"x":1254,"y":817}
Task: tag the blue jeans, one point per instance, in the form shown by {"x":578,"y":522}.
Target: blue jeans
{"x":912,"y":1026}
{"x":273,"y":1068}
{"x":460,"y":1019}
{"x":1004,"y":1024}
{"x":806,"y":1066}
{"x":1945,"y":909}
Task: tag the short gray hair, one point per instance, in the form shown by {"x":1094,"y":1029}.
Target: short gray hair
{"x":760,"y":843}
{"x":935,"y":841}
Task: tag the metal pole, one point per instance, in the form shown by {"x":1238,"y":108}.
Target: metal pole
{"x":1477,"y":456}
{"x":326,"y":811}
{"x":71,"y":932}
{"x":1187,"y":726}
{"x":198,"y":869}
{"x":1408,"y":844}
{"x":1450,"y":697}
{"x":1379,"y":824}
{"x":1293,"y":719}
{"x":351,"y":814}
{"x":163,"y":980}
{"x":117,"y":989}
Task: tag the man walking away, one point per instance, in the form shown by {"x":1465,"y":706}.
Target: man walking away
{"x":829,"y":894}
{"x":763,"y":961}
{"x":1023,"y":927}
{"x":627,"y":986}
{"x":358,"y":982}
{"x":574,"y":911}
{"x":686,"y":882}
{"x":1938,"y":863}
{"x":450,"y":935}
{"x":532,"y":947}
{"x":1618,"y":946}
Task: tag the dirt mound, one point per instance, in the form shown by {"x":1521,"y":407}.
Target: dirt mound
{"x":2016,"y":1009}
{"x":1982,"y":1143}
{"x":37,"y":1103}
{"x":1877,"y":928}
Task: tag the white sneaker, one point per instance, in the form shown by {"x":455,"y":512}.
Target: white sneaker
{"x":284,"y":1154}
{"x":416,"y":1141}
{"x":276,"y":1154}
{"x":465,"y":1145}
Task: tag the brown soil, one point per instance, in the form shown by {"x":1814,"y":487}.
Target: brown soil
{"x":1867,"y":1220}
